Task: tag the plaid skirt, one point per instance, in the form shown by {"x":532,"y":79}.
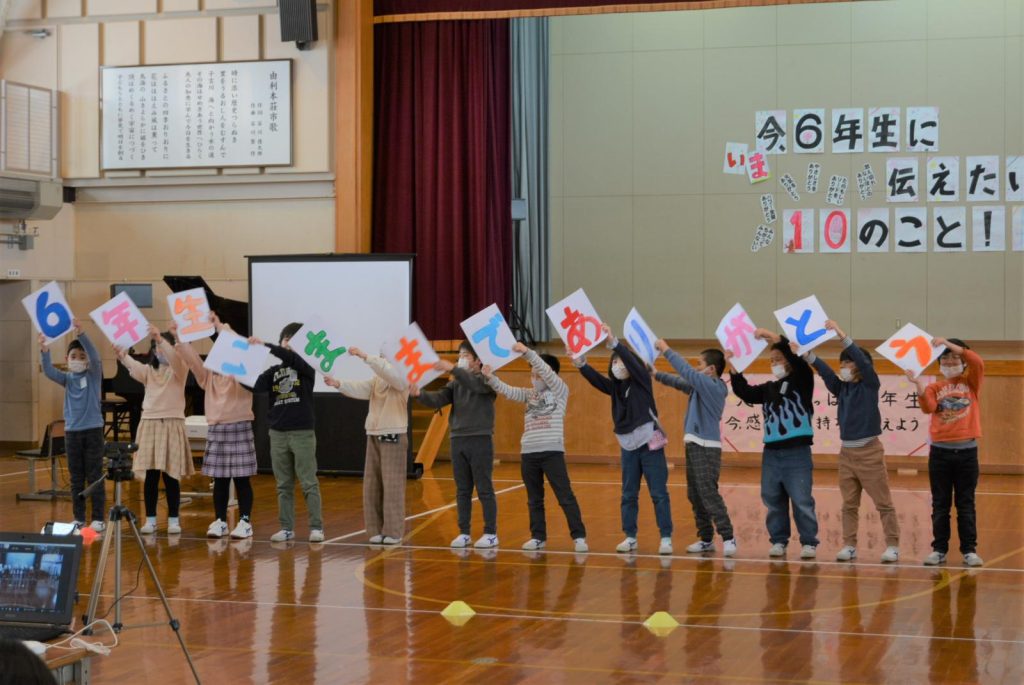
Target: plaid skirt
{"x":230,"y":451}
{"x":163,"y":445}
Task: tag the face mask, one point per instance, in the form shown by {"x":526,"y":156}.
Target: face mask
{"x":619,"y":371}
{"x":463,"y":363}
{"x":952,"y":371}
{"x":845,"y":374}
{"x":779,"y":371}
{"x":161,"y":359}
{"x":77,"y":366}
{"x":539,"y":385}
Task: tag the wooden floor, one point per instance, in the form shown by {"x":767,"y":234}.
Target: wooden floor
{"x":342,"y":612}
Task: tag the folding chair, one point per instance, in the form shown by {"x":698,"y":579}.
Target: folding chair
{"x":51,"y":448}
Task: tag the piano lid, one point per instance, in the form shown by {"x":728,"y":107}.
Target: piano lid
{"x":232,"y":312}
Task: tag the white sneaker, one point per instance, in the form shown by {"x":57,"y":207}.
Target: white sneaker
{"x":486,"y":541}
{"x":148,"y":528}
{"x":891,"y":555}
{"x":700,"y":547}
{"x":98,"y":526}
{"x":729,"y":548}
{"x":580,"y":546}
{"x":808,"y":552}
{"x":282,"y":536}
{"x":462,"y":540}
{"x":217,"y":529}
{"x":935,"y":558}
{"x":972,"y":559}
{"x":777,"y":550}
{"x":316,"y":535}
{"x":666,"y":546}
{"x":80,"y":524}
{"x":847,"y":553}
{"x":533,"y":544}
{"x":243,"y":530}
{"x":173,"y":526}
{"x":376,"y":539}
{"x":388,"y":540}
{"x":627,"y":545}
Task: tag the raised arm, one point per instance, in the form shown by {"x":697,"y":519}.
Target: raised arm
{"x":511,"y":392}
{"x":357,"y":390}
{"x":435,"y":399}
{"x":751,"y":394}
{"x":546,"y":373}
{"x":49,"y":371}
{"x":136,"y":369}
{"x":474,"y":382}
{"x":188,"y":354}
{"x":597,"y":379}
{"x":387,"y":371}
{"x":290,"y":358}
{"x":95,"y":361}
{"x":828,"y":376}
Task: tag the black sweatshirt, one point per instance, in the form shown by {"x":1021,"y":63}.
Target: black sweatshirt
{"x":291,"y":391}
{"x":632,"y":399}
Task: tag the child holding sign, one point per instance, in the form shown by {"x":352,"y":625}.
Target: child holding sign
{"x":292,"y":434}
{"x":641,"y":440}
{"x":786,"y":466}
{"x":163,"y":445}
{"x":703,"y":441}
{"x":83,"y":421}
{"x":472,"y":428}
{"x":387,"y":446}
{"x":543,"y":445}
{"x":954,"y":404}
{"x":861,"y":456}
{"x":230,"y":449}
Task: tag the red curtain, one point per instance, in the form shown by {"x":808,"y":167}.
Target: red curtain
{"x":442,"y":158}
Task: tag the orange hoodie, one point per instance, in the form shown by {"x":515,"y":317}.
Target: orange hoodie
{"x":954,"y":403}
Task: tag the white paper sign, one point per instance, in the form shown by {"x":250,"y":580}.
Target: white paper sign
{"x":736,"y":334}
{"x":577,"y":323}
{"x":949,"y":229}
{"x":847,"y":130}
{"x":884,"y":129}
{"x":988,"y":228}
{"x":121,"y":321}
{"x":770,"y":131}
{"x":837,"y":187}
{"x":942,"y":183}
{"x":191,"y":312}
{"x":491,"y":338}
{"x":758,"y":169}
{"x":232,"y":355}
{"x":834,"y":231}
{"x":873,"y":230}
{"x":413,"y":355}
{"x":808,"y":130}
{"x":911,"y":229}
{"x":922,"y":129}
{"x":804,"y":323}
{"x":901,"y":179}
{"x":910,"y":348}
{"x":640,"y":336}
{"x":768,"y":208}
{"x":735,"y":161}
{"x":789,"y":184}
{"x":763,"y":237}
{"x":320,"y":344}
{"x":49,"y":311}
{"x":813,"y":176}
{"x":1015,"y":179}
{"x":798,"y":231}
{"x":983,"y":179}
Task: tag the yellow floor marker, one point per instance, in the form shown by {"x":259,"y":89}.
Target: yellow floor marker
{"x":458,"y":613}
{"x":661,"y":623}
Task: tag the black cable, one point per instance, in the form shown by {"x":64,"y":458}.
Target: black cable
{"x":138,"y":578}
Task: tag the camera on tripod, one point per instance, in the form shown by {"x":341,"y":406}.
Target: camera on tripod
{"x":119,"y":460}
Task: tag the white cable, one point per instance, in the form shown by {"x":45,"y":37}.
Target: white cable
{"x":75,"y":642}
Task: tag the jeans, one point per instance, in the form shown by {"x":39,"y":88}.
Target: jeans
{"x":654,"y":469}
{"x":953,"y":476}
{"x":472,"y":466}
{"x":293,"y":456}
{"x":787,"y":476}
{"x":534,"y":466}
{"x":85,"y":465}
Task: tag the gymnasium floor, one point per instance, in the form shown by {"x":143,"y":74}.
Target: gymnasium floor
{"x":342,"y":612}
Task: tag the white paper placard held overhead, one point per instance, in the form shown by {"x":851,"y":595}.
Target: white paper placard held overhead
{"x":49,"y":311}
{"x":413,"y":355}
{"x":491,"y":338}
{"x":197,"y":115}
{"x":736,"y":334}
{"x":640,"y":336}
{"x":577,"y":323}
{"x":319,"y":344}
{"x":232,"y":355}
{"x":191,"y":311}
{"x":121,"y":321}
{"x":910,"y":348}
{"x":803,"y":322}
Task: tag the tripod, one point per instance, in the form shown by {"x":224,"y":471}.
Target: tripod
{"x":119,"y":513}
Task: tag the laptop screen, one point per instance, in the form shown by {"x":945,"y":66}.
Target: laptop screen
{"x":38,"y":577}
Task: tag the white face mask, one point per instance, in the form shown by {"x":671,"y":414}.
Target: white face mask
{"x":161,"y":359}
{"x":77,"y":366}
{"x":539,"y":385}
{"x":779,"y":371}
{"x":463,"y":363}
{"x":619,"y":371}
{"x":845,"y":374}
{"x":952,"y":371}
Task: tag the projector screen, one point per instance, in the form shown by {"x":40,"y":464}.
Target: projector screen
{"x":367,"y":296}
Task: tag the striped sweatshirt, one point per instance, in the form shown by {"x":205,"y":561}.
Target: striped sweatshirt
{"x":543,"y":429}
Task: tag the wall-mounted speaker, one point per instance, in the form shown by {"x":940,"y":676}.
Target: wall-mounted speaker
{"x":298,"y":22}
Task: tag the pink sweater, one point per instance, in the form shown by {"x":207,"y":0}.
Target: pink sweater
{"x":165,"y":387}
{"x":227,"y":400}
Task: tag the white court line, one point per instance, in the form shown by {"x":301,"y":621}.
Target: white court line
{"x":424,"y":513}
{"x":13,"y":473}
{"x":577,"y":619}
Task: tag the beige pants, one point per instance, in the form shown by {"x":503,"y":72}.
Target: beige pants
{"x":863,"y":468}
{"x":384,"y":487}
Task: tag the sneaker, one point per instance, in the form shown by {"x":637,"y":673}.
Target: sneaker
{"x":808,"y":552}
{"x":242,"y":530}
{"x":891,"y":555}
{"x":148,"y":528}
{"x":282,"y":536}
{"x":173,"y":526}
{"x":316,"y":535}
{"x":935,"y":558}
{"x":462,"y":540}
{"x":376,"y":539}
{"x":486,"y":541}
{"x":777,"y":550}
{"x":388,"y":540}
{"x":700,"y":547}
{"x":217,"y":529}
{"x":666,"y":546}
{"x":98,"y":526}
{"x":627,"y":545}
{"x":580,"y":546}
{"x":729,"y":548}
{"x":972,"y":559}
{"x":533,"y":544}
{"x":847,"y":553}
{"x":80,"y":524}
